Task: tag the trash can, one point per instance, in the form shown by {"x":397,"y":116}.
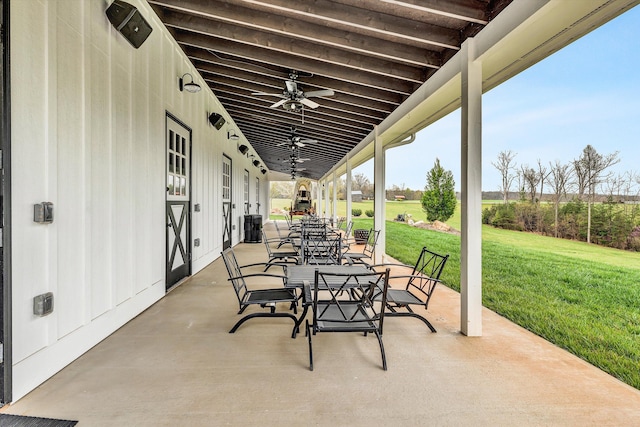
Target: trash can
{"x":361,"y":236}
{"x":253,"y":228}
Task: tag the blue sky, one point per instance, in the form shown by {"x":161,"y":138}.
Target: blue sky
{"x":587,"y":93}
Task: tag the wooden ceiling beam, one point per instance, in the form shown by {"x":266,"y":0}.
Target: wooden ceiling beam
{"x":362,"y":21}
{"x":368,"y":93}
{"x":288,"y":45}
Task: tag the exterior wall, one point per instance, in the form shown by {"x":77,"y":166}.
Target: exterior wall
{"x":88,"y":134}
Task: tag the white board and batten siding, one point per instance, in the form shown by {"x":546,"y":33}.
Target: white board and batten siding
{"x":88,"y":134}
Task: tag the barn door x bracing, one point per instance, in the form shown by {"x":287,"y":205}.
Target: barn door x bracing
{"x":226,"y":202}
{"x":178,"y":201}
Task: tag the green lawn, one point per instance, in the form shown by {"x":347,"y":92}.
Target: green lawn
{"x":583,"y":298}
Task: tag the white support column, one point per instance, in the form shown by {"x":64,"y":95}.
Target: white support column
{"x":334,"y":214}
{"x":319,"y":195}
{"x":379,"y":205}
{"x":471,"y":153}
{"x":348,"y":188}
{"x":326,"y":198}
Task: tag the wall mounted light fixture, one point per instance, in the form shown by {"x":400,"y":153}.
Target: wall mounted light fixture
{"x":256,"y":163}
{"x":243,"y":148}
{"x":189,"y":86}
{"x":231,"y":134}
{"x":264,"y":171}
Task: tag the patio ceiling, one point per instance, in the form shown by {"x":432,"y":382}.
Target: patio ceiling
{"x":372,"y":53}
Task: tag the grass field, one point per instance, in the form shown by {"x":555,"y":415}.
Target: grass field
{"x":583,"y":298}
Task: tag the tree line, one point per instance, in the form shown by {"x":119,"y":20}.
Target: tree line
{"x":585,"y":200}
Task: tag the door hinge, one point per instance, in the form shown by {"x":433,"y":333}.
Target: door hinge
{"x":1,"y":353}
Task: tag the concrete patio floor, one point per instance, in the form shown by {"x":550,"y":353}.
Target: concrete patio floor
{"x":177,"y":365}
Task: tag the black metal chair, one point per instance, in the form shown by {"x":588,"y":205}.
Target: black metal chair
{"x":367,"y":250}
{"x":284,"y":240}
{"x":321,"y":251}
{"x":419,"y":287}
{"x":278,"y":256}
{"x":347,"y":238}
{"x":333,"y":311}
{"x":265,"y":298}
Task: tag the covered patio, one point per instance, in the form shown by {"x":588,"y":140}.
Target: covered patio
{"x":176,"y":364}
{"x":105,"y":130}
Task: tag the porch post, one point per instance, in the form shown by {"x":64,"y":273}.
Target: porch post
{"x":319,"y":194}
{"x":335,"y":198}
{"x":379,"y":207}
{"x":471,"y":154}
{"x":326,"y":198}
{"x":348,"y":188}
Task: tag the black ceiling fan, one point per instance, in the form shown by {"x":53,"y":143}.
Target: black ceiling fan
{"x":295,"y":141}
{"x":293,"y":97}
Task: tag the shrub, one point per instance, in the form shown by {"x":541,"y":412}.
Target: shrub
{"x":356,"y":212}
{"x":439,"y":198}
{"x":369,"y":213}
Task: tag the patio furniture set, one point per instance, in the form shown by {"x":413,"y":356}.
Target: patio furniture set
{"x":344,"y":290}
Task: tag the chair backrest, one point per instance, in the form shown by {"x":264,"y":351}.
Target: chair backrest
{"x":347,"y":231}
{"x":314,"y":231}
{"x":275,"y":222}
{"x":235,"y":274}
{"x":362,"y":311}
{"x":267,"y":244}
{"x":426,"y":273}
{"x":322,"y":251}
{"x":370,"y":245}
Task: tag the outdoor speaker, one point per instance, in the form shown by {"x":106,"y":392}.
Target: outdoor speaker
{"x":129,"y":22}
{"x":216,"y":120}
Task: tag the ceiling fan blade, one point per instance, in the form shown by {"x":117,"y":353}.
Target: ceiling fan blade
{"x":308,"y":141}
{"x":291,"y":86}
{"x":309,"y":103}
{"x":324,"y":92}
{"x":268,"y":94}
{"x":299,"y":144}
{"x":279,"y":103}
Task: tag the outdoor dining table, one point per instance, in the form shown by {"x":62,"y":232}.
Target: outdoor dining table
{"x":297,"y":275}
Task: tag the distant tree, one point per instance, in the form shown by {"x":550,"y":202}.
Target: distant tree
{"x":361,"y":182}
{"x":281,"y":190}
{"x":439,"y":197}
{"x":560,"y":177}
{"x":506,"y":169}
{"x":530,"y":180}
{"x":542,"y":177}
{"x":593,"y":164}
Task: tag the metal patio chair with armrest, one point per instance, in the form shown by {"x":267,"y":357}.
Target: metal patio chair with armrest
{"x":284,"y":239}
{"x":332,"y":312}
{"x":265,"y":298}
{"x":347,"y":238}
{"x":321,"y":251}
{"x":419,"y":285}
{"x":278,"y":256}
{"x":367,"y":250}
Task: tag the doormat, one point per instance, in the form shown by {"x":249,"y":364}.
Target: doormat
{"x":7,"y":420}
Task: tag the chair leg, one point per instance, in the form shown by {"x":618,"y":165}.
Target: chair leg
{"x":417,"y":316}
{"x":384,"y":357}
{"x":308,"y":334}
{"x":296,"y":327}
{"x":252,"y":315}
